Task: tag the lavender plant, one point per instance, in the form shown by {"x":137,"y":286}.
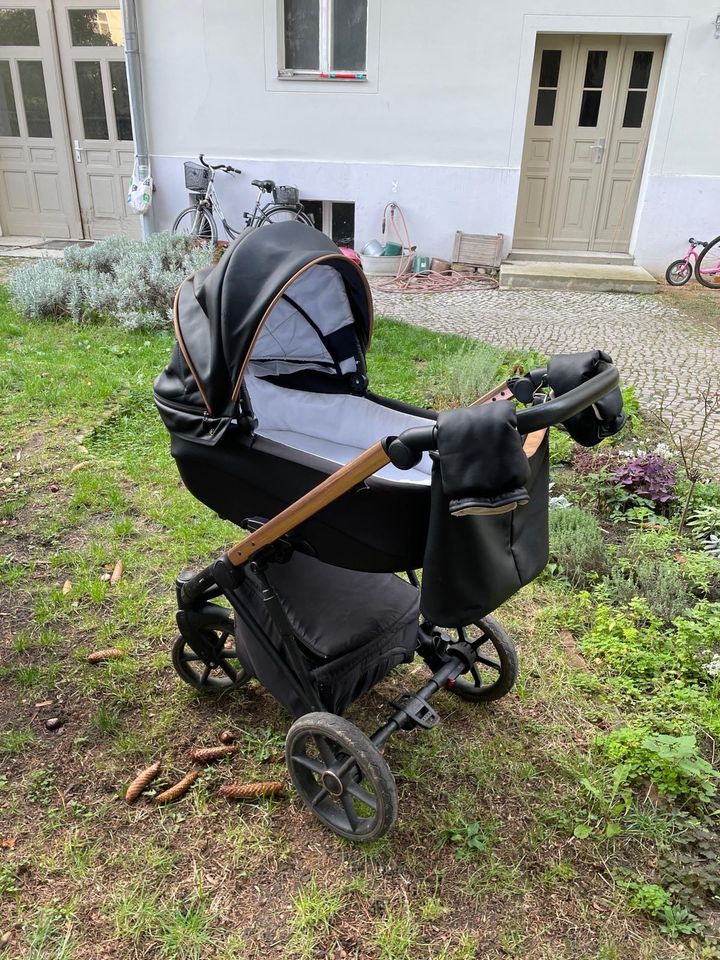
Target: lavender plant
{"x":128,"y":281}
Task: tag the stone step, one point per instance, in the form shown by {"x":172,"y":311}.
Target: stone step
{"x":569,"y":256}
{"x":584,"y":277}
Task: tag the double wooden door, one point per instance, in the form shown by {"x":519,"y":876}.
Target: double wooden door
{"x":589,"y":119}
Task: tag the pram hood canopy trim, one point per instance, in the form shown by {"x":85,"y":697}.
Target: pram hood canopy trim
{"x":220,"y":312}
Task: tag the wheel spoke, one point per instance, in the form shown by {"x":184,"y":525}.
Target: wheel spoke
{"x":489,"y":662}
{"x":230,"y":653}
{"x":230,"y":671}
{"x":350,"y":810}
{"x":325,"y":750}
{"x":190,"y":658}
{"x":319,"y":797}
{"x":355,"y":790}
{"x":310,"y":763}
{"x":476,"y":675}
{"x":205,"y":674}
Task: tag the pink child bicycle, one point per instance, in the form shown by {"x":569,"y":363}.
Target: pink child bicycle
{"x":705,"y":265}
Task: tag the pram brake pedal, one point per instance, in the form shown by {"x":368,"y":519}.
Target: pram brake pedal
{"x":418,"y":712}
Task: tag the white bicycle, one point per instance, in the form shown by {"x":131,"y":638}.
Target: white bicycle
{"x":198,"y":220}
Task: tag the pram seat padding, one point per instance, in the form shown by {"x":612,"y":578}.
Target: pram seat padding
{"x":336,"y":427}
{"x":353,"y":627}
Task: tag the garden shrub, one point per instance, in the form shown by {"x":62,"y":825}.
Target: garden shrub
{"x":131,"y":282}
{"x":577,"y":548}
{"x":469,"y":373}
{"x":658,"y":580}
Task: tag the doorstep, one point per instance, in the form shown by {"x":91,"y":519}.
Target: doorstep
{"x":582,"y":277}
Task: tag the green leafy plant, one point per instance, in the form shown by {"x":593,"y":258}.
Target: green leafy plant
{"x":672,"y":763}
{"x":651,"y":899}
{"x":470,"y":840}
{"x":705,"y":521}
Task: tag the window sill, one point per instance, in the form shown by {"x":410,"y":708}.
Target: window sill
{"x":339,"y":77}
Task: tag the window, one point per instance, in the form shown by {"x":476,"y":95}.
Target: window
{"x":592,"y":88}
{"x":324,"y":39}
{"x":335,"y":218}
{"x":547,"y":88}
{"x":96,"y":28}
{"x":637,"y":90}
{"x":18,"y":28}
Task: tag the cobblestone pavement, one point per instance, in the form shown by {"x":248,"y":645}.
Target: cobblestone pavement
{"x":659,"y":350}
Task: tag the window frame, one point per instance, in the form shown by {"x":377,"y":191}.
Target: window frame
{"x":323,"y":73}
{"x":327,"y":215}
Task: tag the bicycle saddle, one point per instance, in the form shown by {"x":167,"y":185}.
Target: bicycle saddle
{"x":267,"y":185}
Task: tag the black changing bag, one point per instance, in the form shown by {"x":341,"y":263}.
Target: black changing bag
{"x":352,"y":629}
{"x":475,"y":563}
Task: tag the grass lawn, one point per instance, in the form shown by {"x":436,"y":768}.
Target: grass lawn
{"x":499,"y":850}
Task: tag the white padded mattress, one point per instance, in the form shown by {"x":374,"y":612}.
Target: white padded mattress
{"x":336,"y":427}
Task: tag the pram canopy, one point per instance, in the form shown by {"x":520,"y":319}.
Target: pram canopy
{"x":284,"y":298}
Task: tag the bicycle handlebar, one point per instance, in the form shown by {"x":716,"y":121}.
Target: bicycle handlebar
{"x":422,"y":439}
{"x":219,"y":166}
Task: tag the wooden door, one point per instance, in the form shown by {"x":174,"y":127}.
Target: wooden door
{"x":586,"y":139}
{"x":37,"y":187}
{"x":90,"y":40}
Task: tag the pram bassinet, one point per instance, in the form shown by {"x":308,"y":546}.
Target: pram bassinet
{"x":278,"y":332}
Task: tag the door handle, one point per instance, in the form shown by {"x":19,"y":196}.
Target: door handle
{"x":78,"y":151}
{"x":597,"y":150}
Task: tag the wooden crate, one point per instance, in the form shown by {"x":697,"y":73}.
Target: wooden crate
{"x":478,"y":250}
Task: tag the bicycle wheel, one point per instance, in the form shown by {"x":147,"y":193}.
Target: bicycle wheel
{"x":707,"y":265}
{"x":278,"y":214}
{"x":678,"y":273}
{"x":198,"y":223}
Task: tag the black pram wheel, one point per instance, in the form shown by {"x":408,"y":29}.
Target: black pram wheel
{"x":495,"y":672}
{"x":225,"y":670}
{"x":341,"y":776}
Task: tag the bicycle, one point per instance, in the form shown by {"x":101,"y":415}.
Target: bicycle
{"x":198,"y":220}
{"x":709,"y":274}
{"x":680,"y":271}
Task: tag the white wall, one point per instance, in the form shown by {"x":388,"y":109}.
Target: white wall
{"x":440,"y":121}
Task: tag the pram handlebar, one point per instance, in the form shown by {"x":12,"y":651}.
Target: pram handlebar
{"x":418,"y":440}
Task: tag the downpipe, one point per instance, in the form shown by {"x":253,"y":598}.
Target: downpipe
{"x":137,"y":100}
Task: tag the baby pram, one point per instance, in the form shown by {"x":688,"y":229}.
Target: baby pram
{"x":274,"y":427}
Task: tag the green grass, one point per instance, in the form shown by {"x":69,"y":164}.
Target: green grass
{"x":487,"y":859}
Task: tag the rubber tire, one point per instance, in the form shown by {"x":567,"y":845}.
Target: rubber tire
{"x":188,"y":676}
{"x":373,"y":765}
{"x":268,"y":212}
{"x":669,"y":274}
{"x":698,"y":264}
{"x":190,"y":212}
{"x":507,"y":655}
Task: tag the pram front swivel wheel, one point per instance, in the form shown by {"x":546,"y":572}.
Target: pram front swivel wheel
{"x":495,"y":671}
{"x":223,"y":671}
{"x":341,"y":776}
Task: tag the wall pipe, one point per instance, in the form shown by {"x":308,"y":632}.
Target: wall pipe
{"x":137,"y":100}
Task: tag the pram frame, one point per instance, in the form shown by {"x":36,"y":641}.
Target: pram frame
{"x":271,"y":541}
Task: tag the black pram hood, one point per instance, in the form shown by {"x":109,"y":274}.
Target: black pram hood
{"x":220,"y":312}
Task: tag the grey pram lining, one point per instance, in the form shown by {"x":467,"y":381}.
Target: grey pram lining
{"x":313,"y":314}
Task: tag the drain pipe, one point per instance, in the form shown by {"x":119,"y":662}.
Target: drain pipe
{"x":137,"y":101}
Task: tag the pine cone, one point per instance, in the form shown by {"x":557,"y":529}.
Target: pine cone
{"x":208,"y":754}
{"x":251,"y":791}
{"x":99,"y":656}
{"x":180,"y":788}
{"x":141,"y":781}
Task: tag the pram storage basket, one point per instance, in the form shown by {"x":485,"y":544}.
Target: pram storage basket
{"x":353,"y":629}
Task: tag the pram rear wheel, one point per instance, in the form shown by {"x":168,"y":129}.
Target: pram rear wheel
{"x":495,"y":672}
{"x":341,"y":776}
{"x":223,"y":672}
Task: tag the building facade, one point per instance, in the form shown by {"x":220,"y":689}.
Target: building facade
{"x":575,"y":129}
